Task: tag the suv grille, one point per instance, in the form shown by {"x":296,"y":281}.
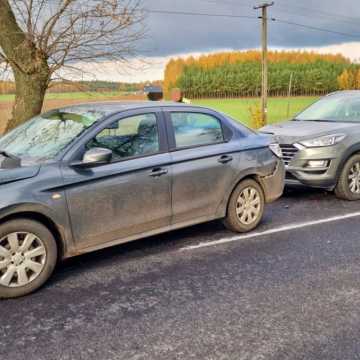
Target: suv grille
{"x":288,"y":152}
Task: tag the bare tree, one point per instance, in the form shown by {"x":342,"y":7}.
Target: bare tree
{"x":38,"y":38}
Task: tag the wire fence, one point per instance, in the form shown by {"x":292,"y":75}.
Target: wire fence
{"x":218,"y":94}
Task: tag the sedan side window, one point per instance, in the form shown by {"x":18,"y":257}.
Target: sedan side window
{"x":195,"y":129}
{"x":130,"y":137}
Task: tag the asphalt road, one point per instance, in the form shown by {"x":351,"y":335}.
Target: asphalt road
{"x":292,"y":294}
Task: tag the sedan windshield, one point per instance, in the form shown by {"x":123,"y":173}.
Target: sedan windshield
{"x":338,"y":107}
{"x":44,"y":136}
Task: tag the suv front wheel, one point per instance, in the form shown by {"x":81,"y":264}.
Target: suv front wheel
{"x":348,"y":187}
{"x":28,"y":255}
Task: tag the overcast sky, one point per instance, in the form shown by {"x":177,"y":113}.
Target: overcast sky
{"x":171,"y":35}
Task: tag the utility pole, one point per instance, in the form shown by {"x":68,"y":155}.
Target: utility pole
{"x":264,"y":60}
{"x":289,"y":96}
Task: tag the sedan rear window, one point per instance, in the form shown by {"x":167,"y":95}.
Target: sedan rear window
{"x":195,"y":129}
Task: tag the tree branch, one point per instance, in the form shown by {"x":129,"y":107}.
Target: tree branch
{"x":40,"y":37}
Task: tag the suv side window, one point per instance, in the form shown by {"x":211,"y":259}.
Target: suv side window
{"x":195,"y":129}
{"x":129,"y":137}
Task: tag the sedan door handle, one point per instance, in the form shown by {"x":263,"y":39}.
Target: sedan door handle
{"x":156,"y":172}
{"x":225,"y":159}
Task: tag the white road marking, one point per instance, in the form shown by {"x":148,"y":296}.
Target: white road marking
{"x":270,"y":231}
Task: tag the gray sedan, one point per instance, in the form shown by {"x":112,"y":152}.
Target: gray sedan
{"x":86,"y":177}
{"x":321,"y":145}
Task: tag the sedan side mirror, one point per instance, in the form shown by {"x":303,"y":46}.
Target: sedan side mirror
{"x":95,"y":156}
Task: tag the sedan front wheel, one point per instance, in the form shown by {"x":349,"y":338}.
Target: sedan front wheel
{"x":28,"y":255}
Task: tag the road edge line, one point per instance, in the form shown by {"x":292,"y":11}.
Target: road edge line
{"x":270,"y":231}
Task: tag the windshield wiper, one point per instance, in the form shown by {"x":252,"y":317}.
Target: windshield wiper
{"x":10,"y":161}
{"x":8,"y":155}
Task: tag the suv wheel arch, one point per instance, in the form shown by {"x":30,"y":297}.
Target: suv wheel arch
{"x":353,"y":150}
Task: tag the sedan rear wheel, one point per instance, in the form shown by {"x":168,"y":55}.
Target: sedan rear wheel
{"x":28,"y":256}
{"x":246,"y":206}
{"x":348,"y":187}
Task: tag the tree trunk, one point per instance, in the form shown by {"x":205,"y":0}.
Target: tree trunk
{"x":29,"y":96}
{"x":29,"y":65}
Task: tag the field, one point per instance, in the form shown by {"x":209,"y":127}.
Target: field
{"x":239,"y":109}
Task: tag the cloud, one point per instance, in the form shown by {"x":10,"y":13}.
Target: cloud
{"x":134,"y":70}
{"x":170,"y":34}
{"x":350,"y":50}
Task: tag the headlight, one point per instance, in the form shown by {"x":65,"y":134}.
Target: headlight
{"x":327,"y":140}
{"x":275,"y":148}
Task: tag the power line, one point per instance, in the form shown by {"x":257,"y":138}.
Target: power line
{"x":287,"y":9}
{"x":325,"y":13}
{"x":190,"y":13}
{"x":225,"y":2}
{"x":356,"y":36}
{"x":349,"y":19}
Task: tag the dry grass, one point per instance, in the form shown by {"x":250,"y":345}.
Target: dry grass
{"x":5,"y":106}
{"x":256,"y":118}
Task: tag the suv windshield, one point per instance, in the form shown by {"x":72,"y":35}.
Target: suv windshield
{"x":44,"y":136}
{"x":338,"y":107}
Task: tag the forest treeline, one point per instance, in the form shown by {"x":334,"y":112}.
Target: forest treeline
{"x":235,"y":74}
{"x":8,"y":87}
{"x":239,"y":74}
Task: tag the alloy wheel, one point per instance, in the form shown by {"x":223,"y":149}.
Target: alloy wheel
{"x":22,"y":259}
{"x":248,"y":205}
{"x":354,"y":178}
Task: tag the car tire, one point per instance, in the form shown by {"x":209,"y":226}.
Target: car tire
{"x":28,"y":256}
{"x":349,"y":188}
{"x":245,"y":207}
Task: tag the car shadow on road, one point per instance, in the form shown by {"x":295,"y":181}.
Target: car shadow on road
{"x":298,"y":204}
{"x":170,"y":241}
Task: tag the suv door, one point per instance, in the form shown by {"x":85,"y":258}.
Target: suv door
{"x":202,"y":170}
{"x":129,"y":196}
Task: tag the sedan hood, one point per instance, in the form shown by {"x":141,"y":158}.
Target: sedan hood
{"x":293,"y":131}
{"x":21,"y":173}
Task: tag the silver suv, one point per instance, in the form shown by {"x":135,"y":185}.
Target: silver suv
{"x":321,"y":145}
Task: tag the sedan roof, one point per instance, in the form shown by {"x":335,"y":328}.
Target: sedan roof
{"x":90,"y":113}
{"x":110,"y":107}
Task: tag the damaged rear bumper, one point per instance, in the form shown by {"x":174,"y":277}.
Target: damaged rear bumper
{"x":273,"y":184}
